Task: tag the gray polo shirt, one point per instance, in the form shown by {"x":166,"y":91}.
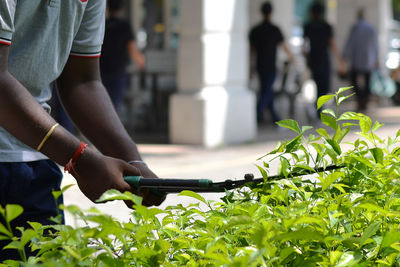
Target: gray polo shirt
{"x":42,"y":34}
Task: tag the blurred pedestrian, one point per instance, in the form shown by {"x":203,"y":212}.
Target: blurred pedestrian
{"x":319,"y":41}
{"x":265,"y":38}
{"x":361,"y":51}
{"x":119,"y":47}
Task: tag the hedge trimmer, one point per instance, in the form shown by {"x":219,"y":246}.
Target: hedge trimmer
{"x":165,"y":186}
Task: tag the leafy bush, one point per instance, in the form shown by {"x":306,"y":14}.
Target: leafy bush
{"x":348,"y":216}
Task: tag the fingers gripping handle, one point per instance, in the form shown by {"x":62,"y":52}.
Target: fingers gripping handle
{"x":134,"y":182}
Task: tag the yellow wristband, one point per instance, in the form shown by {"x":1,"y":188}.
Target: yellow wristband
{"x":47,"y":136}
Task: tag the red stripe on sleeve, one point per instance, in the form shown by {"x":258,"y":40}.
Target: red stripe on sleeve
{"x":88,"y":56}
{"x":5,"y":43}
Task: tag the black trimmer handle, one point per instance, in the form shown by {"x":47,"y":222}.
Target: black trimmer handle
{"x":163,"y":186}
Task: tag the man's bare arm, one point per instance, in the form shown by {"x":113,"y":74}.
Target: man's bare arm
{"x":22,"y":116}
{"x":341,"y":63}
{"x":89,"y":106}
{"x":288,"y":52}
{"x":136,"y":55}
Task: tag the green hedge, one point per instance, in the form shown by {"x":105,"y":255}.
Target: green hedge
{"x":344,"y":217}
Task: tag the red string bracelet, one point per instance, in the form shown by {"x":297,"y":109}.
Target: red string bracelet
{"x":71,"y":163}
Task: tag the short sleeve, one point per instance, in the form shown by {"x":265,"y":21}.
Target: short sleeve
{"x":330,"y":32}
{"x":252,"y":37}
{"x":7,"y":11}
{"x":279,"y":35}
{"x":129,"y":33}
{"x":306,"y":33}
{"x":89,"y":38}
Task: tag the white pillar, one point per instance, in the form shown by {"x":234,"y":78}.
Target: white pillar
{"x":136,"y":14}
{"x":213,"y":105}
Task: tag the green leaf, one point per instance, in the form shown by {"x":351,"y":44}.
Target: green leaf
{"x":365,"y":124}
{"x":27,"y":235}
{"x":310,"y":220}
{"x":396,"y":151}
{"x":318,"y":147}
{"x":114,"y":194}
{"x":148,"y":213}
{"x":13,"y":211}
{"x":301,"y":234}
{"x":4,"y":230}
{"x":349,"y":124}
{"x":284,"y":167}
{"x":278,"y":148}
{"x":239,"y":220}
{"x":285,"y":254}
{"x":350,"y":115}
{"x":347,"y":259}
{"x":258,"y":235}
{"x":376,"y":126}
{"x":334,"y":256}
{"x":370,"y":231}
{"x":390,"y":238}
{"x":329,"y":121}
{"x":323,"y":99}
{"x":377,"y":153}
{"x":262,"y":171}
{"x":56,"y":194}
{"x":304,"y":167}
{"x":290,"y":124}
{"x":340,"y":187}
{"x":341,"y":134}
{"x":330,"y":179}
{"x":72,"y":251}
{"x":13,"y":245}
{"x":306,"y":128}
{"x":343,"y":98}
{"x":344,"y":89}
{"x":330,"y":112}
{"x":266,"y":165}
{"x":312,"y":138}
{"x":323,"y":132}
{"x":335,"y":146}
{"x":293,"y":144}
{"x":193,"y":195}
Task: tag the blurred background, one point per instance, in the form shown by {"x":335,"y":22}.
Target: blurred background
{"x":195,"y":87}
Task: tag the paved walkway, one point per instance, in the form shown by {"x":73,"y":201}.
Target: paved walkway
{"x":180,"y":161}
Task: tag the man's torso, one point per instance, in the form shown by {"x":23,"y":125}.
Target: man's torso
{"x":319,"y":34}
{"x":42,"y":35}
{"x":265,"y":39}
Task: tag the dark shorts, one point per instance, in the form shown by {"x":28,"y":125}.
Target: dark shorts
{"x":30,"y":184}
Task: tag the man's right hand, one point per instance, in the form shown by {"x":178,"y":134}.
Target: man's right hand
{"x":95,"y":174}
{"x":149,"y":199}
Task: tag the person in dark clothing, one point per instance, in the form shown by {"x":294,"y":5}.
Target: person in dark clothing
{"x":318,"y":36}
{"x":265,"y":38}
{"x":118,"y":49}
